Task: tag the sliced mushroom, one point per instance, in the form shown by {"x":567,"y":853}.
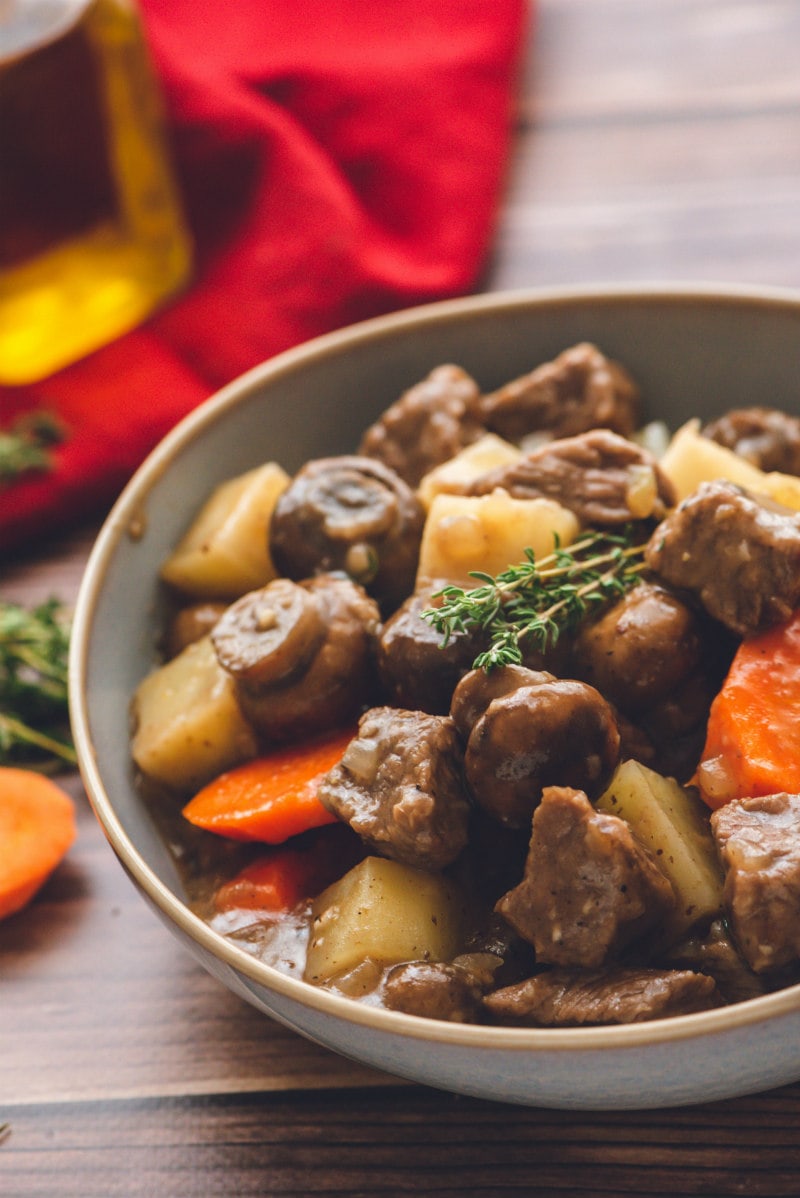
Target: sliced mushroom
{"x":301,"y":655}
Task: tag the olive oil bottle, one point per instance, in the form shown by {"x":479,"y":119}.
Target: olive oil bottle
{"x":92,"y":235}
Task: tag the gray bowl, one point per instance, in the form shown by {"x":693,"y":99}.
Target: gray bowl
{"x":695,"y":351}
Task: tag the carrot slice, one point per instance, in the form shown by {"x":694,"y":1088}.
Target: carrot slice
{"x":287,"y":875}
{"x":273,"y":797}
{"x":269,"y":884}
{"x":37,"y":826}
{"x":753,"y":736}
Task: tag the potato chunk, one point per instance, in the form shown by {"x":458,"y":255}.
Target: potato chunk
{"x":384,"y":912}
{"x":489,"y":533}
{"x":672,"y":823}
{"x":691,"y":459}
{"x":476,"y":459}
{"x":188,"y":724}
{"x":225,"y":552}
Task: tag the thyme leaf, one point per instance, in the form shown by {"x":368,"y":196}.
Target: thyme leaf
{"x":531,"y":603}
{"x":34,"y":721}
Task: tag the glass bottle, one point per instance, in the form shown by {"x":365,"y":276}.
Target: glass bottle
{"x":92,"y":235}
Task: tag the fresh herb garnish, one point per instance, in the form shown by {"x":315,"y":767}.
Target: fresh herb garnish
{"x":34,"y":723}
{"x":533,"y":602}
{"x":27,"y":443}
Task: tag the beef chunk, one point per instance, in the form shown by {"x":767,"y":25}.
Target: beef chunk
{"x":553,"y":731}
{"x":602,"y":478}
{"x":399,"y":787}
{"x":715,"y":954}
{"x":738,"y":552}
{"x":764,"y":436}
{"x":640,"y":649}
{"x":438,"y":990}
{"x":578,"y":390}
{"x":428,"y":425}
{"x":589,"y":887}
{"x":416,"y":671}
{"x":571,"y":997}
{"x":759,"y":844}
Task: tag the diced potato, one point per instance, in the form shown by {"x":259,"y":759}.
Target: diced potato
{"x":691,"y":459}
{"x":488,"y":533}
{"x":386,"y":912}
{"x":485,"y":454}
{"x":673,"y":823}
{"x":225,"y":552}
{"x":188,"y":724}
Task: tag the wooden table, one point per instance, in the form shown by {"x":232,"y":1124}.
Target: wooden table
{"x":657,"y":139}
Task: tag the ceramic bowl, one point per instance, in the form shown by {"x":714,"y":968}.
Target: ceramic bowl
{"x":694,"y":351}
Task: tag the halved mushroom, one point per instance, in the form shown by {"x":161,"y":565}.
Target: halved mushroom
{"x":353,"y":514}
{"x":553,"y":731}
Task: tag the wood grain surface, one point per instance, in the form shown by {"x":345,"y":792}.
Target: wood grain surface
{"x":656,"y":140}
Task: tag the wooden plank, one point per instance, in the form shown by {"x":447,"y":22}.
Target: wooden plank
{"x":399,"y":1142}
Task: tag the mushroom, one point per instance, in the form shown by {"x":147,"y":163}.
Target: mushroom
{"x":545,"y":732}
{"x":353,"y":514}
{"x":300,"y":654}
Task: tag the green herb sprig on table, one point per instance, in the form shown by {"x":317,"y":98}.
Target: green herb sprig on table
{"x":34,"y":722}
{"x":531,"y":603}
{"x":27,"y":445}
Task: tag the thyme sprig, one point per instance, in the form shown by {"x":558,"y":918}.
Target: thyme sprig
{"x":530,"y":604}
{"x":34,"y":648}
{"x":27,"y":444}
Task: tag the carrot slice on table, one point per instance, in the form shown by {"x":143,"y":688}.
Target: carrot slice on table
{"x":273,"y":797}
{"x":753,"y":736}
{"x":37,"y":826}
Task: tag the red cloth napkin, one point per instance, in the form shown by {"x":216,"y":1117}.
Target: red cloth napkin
{"x":338,"y":159}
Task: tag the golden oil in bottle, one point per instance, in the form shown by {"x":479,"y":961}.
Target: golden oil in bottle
{"x":92,"y":236}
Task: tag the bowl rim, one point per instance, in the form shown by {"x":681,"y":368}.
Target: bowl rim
{"x":124,"y":517}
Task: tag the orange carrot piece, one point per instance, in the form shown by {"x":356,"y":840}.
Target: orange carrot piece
{"x":268,"y":884}
{"x":37,"y":826}
{"x":753,"y":736}
{"x":272,"y":798}
{"x":286,"y":876}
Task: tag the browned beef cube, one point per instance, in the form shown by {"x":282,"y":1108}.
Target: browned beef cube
{"x":764,"y":436}
{"x":759,"y":843}
{"x":437,"y":990}
{"x":579,"y":390}
{"x":571,"y":997}
{"x":399,"y":787}
{"x":589,"y":887}
{"x":715,"y":953}
{"x":427,"y":425}
{"x":603,"y":478}
{"x":738,"y":552}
